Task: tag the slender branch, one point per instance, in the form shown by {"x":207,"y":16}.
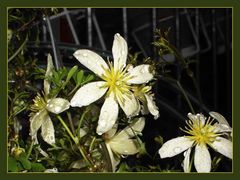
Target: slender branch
{"x":71,"y":123}
{"x":18,"y":50}
{"x":74,"y":139}
{"x":186,"y":97}
{"x":30,"y":150}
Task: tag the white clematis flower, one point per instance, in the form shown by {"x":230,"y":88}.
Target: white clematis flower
{"x":116,"y":84}
{"x":202,"y":134}
{"x":123,"y":142}
{"x":41,"y":107}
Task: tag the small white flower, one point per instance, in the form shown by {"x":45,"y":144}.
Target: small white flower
{"x":122,"y":143}
{"x":202,"y":134}
{"x":116,"y":84}
{"x":41,"y":107}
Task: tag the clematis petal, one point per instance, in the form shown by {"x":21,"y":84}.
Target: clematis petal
{"x":57,"y":105}
{"x":174,"y":146}
{"x":114,"y":159}
{"x":48,"y":73}
{"x":140,"y":74}
{"x":202,"y":159}
{"x":129,"y":105}
{"x":92,"y":61}
{"x":124,"y":147}
{"x":88,"y":94}
{"x":110,"y":133}
{"x":48,"y":131}
{"x":131,"y":130}
{"x":153,"y":109}
{"x":223,"y":146}
{"x":219,"y":118}
{"x":186,"y":161}
{"x":119,"y":51}
{"x":108,"y":115}
{"x":37,"y":120}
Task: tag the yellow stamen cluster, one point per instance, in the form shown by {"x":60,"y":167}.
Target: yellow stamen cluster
{"x":116,"y":81}
{"x":39,"y":103}
{"x":201,"y":133}
{"x":139,"y":91}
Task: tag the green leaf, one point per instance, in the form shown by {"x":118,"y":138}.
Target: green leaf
{"x":70,"y":73}
{"x":37,"y":167}
{"x":89,"y":78}
{"x":80,"y":77}
{"x":22,"y":158}
{"x":12,"y":164}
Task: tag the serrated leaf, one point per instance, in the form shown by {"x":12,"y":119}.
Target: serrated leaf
{"x":37,"y":167}
{"x":12,"y":164}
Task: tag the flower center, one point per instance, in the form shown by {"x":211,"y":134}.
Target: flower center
{"x":201,"y":133}
{"x":116,"y":81}
{"x":39,"y":103}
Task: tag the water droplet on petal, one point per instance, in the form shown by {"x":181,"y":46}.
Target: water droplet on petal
{"x":85,"y":54}
{"x":177,"y":149}
{"x":57,"y":109}
{"x":122,"y":52}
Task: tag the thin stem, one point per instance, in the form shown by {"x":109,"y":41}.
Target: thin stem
{"x":67,"y":129}
{"x":74,"y":89}
{"x":73,"y":138}
{"x":80,"y":124}
{"x":92,"y":143}
{"x":186,"y":97}
{"x":18,"y":50}
{"x":30,"y":150}
{"x":71,"y":123}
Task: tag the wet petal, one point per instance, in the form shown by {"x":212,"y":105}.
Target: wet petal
{"x":219,"y":118}
{"x":153,"y":109}
{"x":129,"y":105}
{"x":124,"y":147}
{"x":175,"y":146}
{"x":37,"y":120}
{"x":91,"y":60}
{"x":130,"y":131}
{"x":202,"y":159}
{"x":223,"y":146}
{"x":114,"y":159}
{"x":48,"y":131}
{"x":48,"y":73}
{"x":88,"y":94}
{"x":57,"y":105}
{"x":120,"y":51}
{"x":186,"y":161}
{"x":140,"y":74}
{"x":108,"y":115}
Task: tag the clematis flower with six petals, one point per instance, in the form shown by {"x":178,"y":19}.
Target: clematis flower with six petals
{"x":39,"y":118}
{"x":117,"y":80}
{"x":123,"y":142}
{"x":202,"y":134}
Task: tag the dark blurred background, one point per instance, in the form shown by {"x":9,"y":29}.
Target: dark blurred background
{"x":200,"y":34}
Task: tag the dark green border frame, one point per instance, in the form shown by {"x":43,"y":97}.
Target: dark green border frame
{"x":235,"y":4}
